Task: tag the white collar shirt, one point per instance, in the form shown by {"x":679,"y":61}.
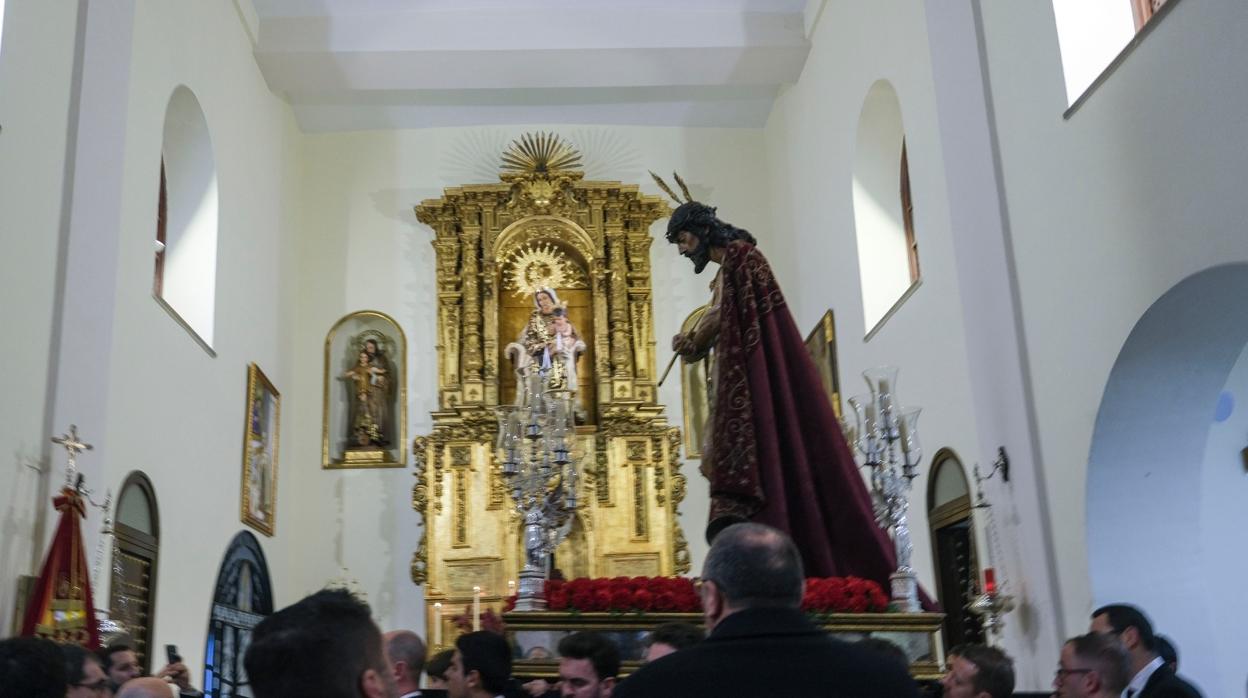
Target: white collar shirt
{"x":1141,"y":678}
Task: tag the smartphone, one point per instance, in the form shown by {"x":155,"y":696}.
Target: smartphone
{"x":171,"y":653}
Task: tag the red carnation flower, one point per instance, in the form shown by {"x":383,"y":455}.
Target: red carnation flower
{"x":557,"y":601}
{"x":858,"y":604}
{"x":643,"y":600}
{"x":602,"y":600}
{"x":621,"y":599}
{"x":581,"y":601}
{"x":665,"y":601}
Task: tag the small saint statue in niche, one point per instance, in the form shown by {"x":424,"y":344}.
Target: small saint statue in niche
{"x":369,"y":381}
{"x":549,"y":343}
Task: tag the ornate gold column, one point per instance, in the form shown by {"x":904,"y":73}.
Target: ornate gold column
{"x":621,"y":350}
{"x":474,"y":361}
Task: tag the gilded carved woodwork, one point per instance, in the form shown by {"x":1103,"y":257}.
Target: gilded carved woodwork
{"x":543,"y":220}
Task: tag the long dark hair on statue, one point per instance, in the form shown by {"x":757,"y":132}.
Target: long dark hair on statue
{"x":700,"y":220}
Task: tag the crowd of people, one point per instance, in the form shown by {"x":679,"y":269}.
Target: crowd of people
{"x":758,"y":642}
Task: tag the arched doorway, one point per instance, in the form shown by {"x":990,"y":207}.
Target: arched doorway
{"x":953,"y":547}
{"x":243,"y":597}
{"x":1166,"y":476}
{"x":132,"y":593}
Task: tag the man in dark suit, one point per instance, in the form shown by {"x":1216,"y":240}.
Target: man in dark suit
{"x":760,"y":641}
{"x":325,"y":645}
{"x":1151,"y":678}
{"x":1092,"y":666}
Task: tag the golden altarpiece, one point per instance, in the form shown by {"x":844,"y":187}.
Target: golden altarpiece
{"x":544,"y":225}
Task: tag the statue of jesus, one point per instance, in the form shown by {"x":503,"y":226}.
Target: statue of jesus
{"x":774,"y":451}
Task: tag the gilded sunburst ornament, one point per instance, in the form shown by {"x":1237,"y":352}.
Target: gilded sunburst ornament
{"x":538,"y":265}
{"x":540,"y":153}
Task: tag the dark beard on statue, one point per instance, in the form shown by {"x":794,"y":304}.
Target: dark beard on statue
{"x":700,"y":257}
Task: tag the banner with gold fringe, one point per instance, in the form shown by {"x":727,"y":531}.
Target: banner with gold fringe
{"x":60,"y":606}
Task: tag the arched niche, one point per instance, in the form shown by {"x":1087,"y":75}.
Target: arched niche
{"x":1165,"y":480}
{"x":351,"y":335}
{"x":187,"y":225}
{"x":545,"y":241}
{"x":242,"y":598}
{"x":881,"y":195}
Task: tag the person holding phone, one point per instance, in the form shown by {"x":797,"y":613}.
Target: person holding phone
{"x":175,"y":672}
{"x":121,"y":663}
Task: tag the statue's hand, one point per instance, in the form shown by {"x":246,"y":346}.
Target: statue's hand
{"x":683,"y":345}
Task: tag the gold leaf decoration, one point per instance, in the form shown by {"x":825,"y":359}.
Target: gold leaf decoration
{"x":540,"y":153}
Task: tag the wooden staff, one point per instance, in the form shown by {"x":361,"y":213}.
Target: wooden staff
{"x":668,"y":370}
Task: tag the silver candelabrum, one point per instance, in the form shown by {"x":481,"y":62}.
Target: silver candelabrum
{"x":886,"y":435}
{"x":540,"y":459}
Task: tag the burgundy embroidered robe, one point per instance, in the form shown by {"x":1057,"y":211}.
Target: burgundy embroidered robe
{"x":777,"y":453}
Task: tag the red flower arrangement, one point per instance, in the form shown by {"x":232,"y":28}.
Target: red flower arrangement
{"x":621,"y":595}
{"x":824,"y":595}
{"x":490,"y":620}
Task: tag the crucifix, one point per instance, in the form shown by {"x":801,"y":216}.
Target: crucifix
{"x":74,"y":446}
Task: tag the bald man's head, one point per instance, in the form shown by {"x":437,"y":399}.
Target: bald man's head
{"x":405,"y":652}
{"x":148,"y":687}
{"x":753,"y":565}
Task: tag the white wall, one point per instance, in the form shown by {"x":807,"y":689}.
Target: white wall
{"x":176,"y":412}
{"x":154,"y":400}
{"x":36,"y":67}
{"x":1224,"y":518}
{"x":361,"y":248}
{"x":1139,"y":189}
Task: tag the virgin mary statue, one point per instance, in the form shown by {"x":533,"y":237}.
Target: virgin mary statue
{"x":549,"y":343}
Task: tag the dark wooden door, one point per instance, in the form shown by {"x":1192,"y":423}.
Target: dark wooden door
{"x":957,"y":571}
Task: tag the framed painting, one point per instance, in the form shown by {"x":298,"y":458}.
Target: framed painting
{"x":364,"y":418}
{"x":821,"y":342}
{"x":260,"y":447}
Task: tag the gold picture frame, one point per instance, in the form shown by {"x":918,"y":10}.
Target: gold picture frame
{"x":352,"y":396}
{"x":821,"y":342}
{"x":261,"y":436}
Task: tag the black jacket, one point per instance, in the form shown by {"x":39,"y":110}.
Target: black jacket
{"x":770,"y":652}
{"x":1164,"y":683}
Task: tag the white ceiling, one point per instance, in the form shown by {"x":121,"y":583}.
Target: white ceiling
{"x":381,"y":64}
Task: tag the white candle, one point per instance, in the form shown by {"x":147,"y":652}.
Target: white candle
{"x":476,"y":609}
{"x":437,"y":624}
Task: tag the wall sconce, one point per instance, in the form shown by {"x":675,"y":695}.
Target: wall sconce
{"x":1002,"y":465}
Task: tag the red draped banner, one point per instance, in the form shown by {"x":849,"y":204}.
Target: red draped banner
{"x":60,"y":607}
